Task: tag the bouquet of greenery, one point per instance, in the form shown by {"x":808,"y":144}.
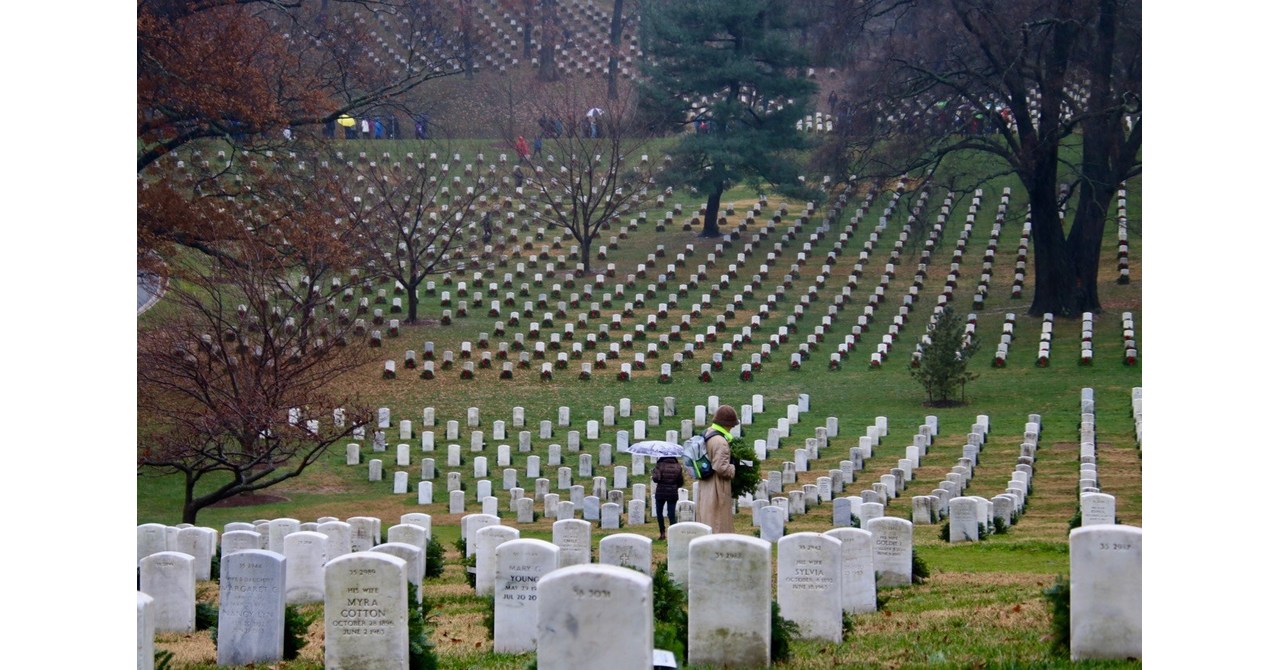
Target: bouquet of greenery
{"x":746,"y":478}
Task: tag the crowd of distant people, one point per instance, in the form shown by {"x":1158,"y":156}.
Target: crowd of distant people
{"x":378,"y":128}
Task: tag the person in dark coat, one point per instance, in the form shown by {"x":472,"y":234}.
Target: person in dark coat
{"x":669,"y":476}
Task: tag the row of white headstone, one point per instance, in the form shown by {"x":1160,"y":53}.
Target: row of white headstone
{"x":1023,"y":247}
{"x":364,"y":591}
{"x":1105,"y":561}
{"x":726,"y":353}
{"x":586,"y":465}
{"x":1135,"y":408}
{"x":1096,"y":506}
{"x":992,"y":245}
{"x":1005,"y":340}
{"x":1121,"y":198}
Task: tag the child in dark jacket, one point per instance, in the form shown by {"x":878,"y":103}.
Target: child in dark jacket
{"x":669,"y":476}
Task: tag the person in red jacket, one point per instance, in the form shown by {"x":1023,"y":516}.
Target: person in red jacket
{"x":521,"y":148}
{"x":669,"y":476}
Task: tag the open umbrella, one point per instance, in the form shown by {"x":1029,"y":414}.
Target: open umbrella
{"x":346,"y":121}
{"x":656,"y":448}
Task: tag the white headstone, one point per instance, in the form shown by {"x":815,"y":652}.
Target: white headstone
{"x":521,"y":564}
{"x":628,"y":550}
{"x":305,"y":553}
{"x":487,"y":540}
{"x":595,"y":616}
{"x":678,"y":537}
{"x":251,"y":608}
{"x":573,"y":537}
{"x":730,"y":602}
{"x":894,"y":541}
{"x":1105,"y":592}
{"x":366,"y":612}
{"x":808,"y":585}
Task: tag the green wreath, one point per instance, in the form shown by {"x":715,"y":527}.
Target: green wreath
{"x":746,"y":478}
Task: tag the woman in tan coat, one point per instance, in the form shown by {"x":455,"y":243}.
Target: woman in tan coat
{"x":715,"y":495}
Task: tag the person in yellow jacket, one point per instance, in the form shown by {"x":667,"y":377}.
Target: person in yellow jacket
{"x":715,"y":495}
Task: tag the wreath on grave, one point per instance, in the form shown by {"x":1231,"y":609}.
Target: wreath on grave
{"x":745,"y":478}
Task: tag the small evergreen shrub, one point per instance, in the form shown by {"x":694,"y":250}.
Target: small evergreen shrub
{"x":206,"y":616}
{"x":468,"y":566}
{"x":670,"y":617}
{"x":918,"y":569}
{"x":434,"y":559}
{"x":421,"y":651}
{"x":784,"y":631}
{"x":1058,"y":597}
{"x":490,"y":616}
{"x":296,"y":625}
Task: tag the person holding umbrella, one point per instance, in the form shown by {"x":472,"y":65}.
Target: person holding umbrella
{"x":669,"y":476}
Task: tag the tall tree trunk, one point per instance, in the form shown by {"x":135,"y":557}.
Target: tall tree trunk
{"x":1102,"y":135}
{"x":615,"y":47}
{"x":546,"y":57}
{"x":1054,"y":266}
{"x":413,"y":300}
{"x":189,"y":509}
{"x":710,"y":227}
{"x":1054,"y":271}
{"x":586,"y":243}
{"x":1085,"y":241}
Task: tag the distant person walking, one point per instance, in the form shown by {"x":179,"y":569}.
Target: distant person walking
{"x":521,"y":148}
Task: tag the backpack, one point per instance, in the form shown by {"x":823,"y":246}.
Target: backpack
{"x":696,"y":458}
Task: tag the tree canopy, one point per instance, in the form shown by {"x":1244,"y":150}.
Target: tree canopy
{"x":727,"y":73}
{"x":1050,"y":90}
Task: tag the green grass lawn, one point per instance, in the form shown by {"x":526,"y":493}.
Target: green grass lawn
{"x":982,"y":605}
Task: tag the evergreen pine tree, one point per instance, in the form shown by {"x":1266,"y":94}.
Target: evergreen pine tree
{"x":732,"y":66}
{"x":943,"y":363}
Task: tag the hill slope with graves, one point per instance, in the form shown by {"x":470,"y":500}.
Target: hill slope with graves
{"x":508,"y":411}
{"x":506,"y":91}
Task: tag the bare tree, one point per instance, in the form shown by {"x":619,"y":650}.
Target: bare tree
{"x":945,"y":80}
{"x":239,"y":72}
{"x":239,"y":389}
{"x":588,"y":177}
{"x":411,"y":216}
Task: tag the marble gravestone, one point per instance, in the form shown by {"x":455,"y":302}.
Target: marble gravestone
{"x":366,"y":612}
{"x":730,"y":603}
{"x":857,"y":569}
{"x":678,"y":537}
{"x":628,"y":550}
{"x":808,"y":585}
{"x":305,"y":553}
{"x":893,"y":540}
{"x":595,"y":616}
{"x":520,"y":565}
{"x":1105,"y":592}
{"x":169,"y":578}
{"x":251,"y":607}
